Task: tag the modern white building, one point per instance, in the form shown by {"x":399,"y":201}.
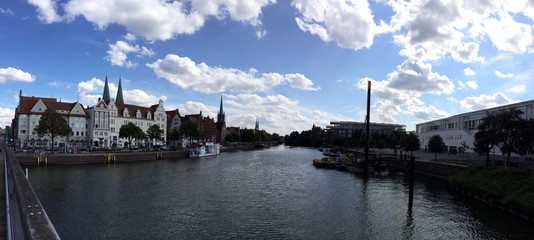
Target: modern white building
{"x":459,"y":130}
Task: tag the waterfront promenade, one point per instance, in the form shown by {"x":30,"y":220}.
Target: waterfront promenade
{"x":3,"y":220}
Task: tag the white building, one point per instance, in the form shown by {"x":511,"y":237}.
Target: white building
{"x":29,"y":112}
{"x":108,"y":115}
{"x":459,"y":129}
{"x":96,"y":126}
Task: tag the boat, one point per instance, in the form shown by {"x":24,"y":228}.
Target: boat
{"x":325,"y":162}
{"x":204,"y":149}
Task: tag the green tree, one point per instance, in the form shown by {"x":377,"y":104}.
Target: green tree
{"x":174,"y":136}
{"x":486,"y":136}
{"x":248,"y":135}
{"x":53,"y":125}
{"x":512,"y":133}
{"x":410,"y":142}
{"x":436,"y":145}
{"x":154,"y":132}
{"x":189,"y":129}
{"x":232,"y":137}
{"x":131,"y":131}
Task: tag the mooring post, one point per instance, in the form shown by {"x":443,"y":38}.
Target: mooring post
{"x":412,"y":178}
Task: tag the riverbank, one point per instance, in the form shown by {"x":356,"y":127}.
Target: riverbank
{"x":30,"y":159}
{"x":511,"y":190}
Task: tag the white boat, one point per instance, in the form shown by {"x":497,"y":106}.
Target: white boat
{"x":205,"y":149}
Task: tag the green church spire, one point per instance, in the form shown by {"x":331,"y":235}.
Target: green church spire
{"x":105,"y":95}
{"x":119,"y":98}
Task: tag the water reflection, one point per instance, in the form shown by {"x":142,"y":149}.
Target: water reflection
{"x":274,"y":193}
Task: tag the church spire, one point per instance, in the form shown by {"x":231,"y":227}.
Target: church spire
{"x":221,"y":112}
{"x":105,"y":95}
{"x":119,"y":98}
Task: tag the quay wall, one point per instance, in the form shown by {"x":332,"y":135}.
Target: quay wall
{"x":437,"y":169}
{"x":30,"y":159}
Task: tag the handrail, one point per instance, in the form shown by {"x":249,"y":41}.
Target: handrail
{"x":28,"y":217}
{"x":9,"y":226}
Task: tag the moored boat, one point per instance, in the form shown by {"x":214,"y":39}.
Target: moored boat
{"x":204,"y":149}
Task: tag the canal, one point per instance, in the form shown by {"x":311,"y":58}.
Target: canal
{"x":274,"y":193}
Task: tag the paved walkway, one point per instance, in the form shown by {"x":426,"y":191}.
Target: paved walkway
{"x":3,"y":221}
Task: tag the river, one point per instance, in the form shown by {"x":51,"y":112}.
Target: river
{"x":274,"y":193}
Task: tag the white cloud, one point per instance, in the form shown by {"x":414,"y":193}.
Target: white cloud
{"x":503,"y":75}
{"x":14,"y":74}
{"x":518,"y":89}
{"x":483,"y":101}
{"x":6,"y":115}
{"x":46,"y":10}
{"x":91,"y":90}
{"x":349,"y":23}
{"x":276,"y":113}
{"x":430,"y":30}
{"x":417,"y":76}
{"x":118,"y":53}
{"x":508,"y":34}
{"x":201,"y":77}
{"x":162,"y":20}
{"x":469,"y":72}
{"x":6,"y":11}
{"x":472,"y":84}
{"x":400,"y":94}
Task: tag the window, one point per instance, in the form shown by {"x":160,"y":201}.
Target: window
{"x":23,"y":131}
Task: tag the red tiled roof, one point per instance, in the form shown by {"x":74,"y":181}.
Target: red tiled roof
{"x":27,"y":103}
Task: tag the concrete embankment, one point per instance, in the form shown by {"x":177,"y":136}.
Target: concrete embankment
{"x":437,"y":169}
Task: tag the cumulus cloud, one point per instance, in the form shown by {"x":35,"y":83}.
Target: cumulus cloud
{"x":517,"y":89}
{"x":469,"y":72}
{"x":401,"y":92}
{"x":430,"y":30}
{"x":468,"y":84}
{"x":6,"y":115}
{"x":46,"y":10}
{"x":484,"y":101}
{"x":153,"y":19}
{"x":276,"y":113}
{"x":185,"y":73}
{"x":15,"y":74}
{"x":349,"y":23}
{"x":503,"y":75}
{"x":118,"y":53}
{"x":417,"y":76}
{"x":89,"y":91}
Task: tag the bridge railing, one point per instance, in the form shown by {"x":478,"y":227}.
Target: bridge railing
{"x":26,"y":215}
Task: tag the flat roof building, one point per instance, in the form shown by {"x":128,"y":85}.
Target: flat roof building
{"x":459,"y":130}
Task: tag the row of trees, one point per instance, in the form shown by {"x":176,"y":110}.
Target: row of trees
{"x":53,"y":125}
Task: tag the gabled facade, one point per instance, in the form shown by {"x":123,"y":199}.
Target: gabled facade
{"x":108,"y":115}
{"x":29,"y":112}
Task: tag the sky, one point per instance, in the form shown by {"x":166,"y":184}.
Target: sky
{"x":288,"y":64}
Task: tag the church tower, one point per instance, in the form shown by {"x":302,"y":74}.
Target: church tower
{"x":221,"y":124}
{"x":105,"y":95}
{"x":119,"y":98}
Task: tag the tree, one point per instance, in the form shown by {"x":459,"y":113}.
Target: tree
{"x":154,"y":132}
{"x":410,"y":142}
{"x":53,"y":125}
{"x":232,"y":137}
{"x":486,"y":136}
{"x":131,"y":131}
{"x":190,"y":130}
{"x":435,"y":145}
{"x":174,"y":135}
{"x":512,"y":133}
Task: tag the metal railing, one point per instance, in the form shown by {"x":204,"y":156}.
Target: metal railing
{"x":25,"y":216}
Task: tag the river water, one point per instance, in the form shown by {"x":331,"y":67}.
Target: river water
{"x":274,"y":193}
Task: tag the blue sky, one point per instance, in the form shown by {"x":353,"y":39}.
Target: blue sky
{"x":289,"y":64}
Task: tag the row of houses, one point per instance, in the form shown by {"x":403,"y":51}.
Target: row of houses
{"x":98,"y":126}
